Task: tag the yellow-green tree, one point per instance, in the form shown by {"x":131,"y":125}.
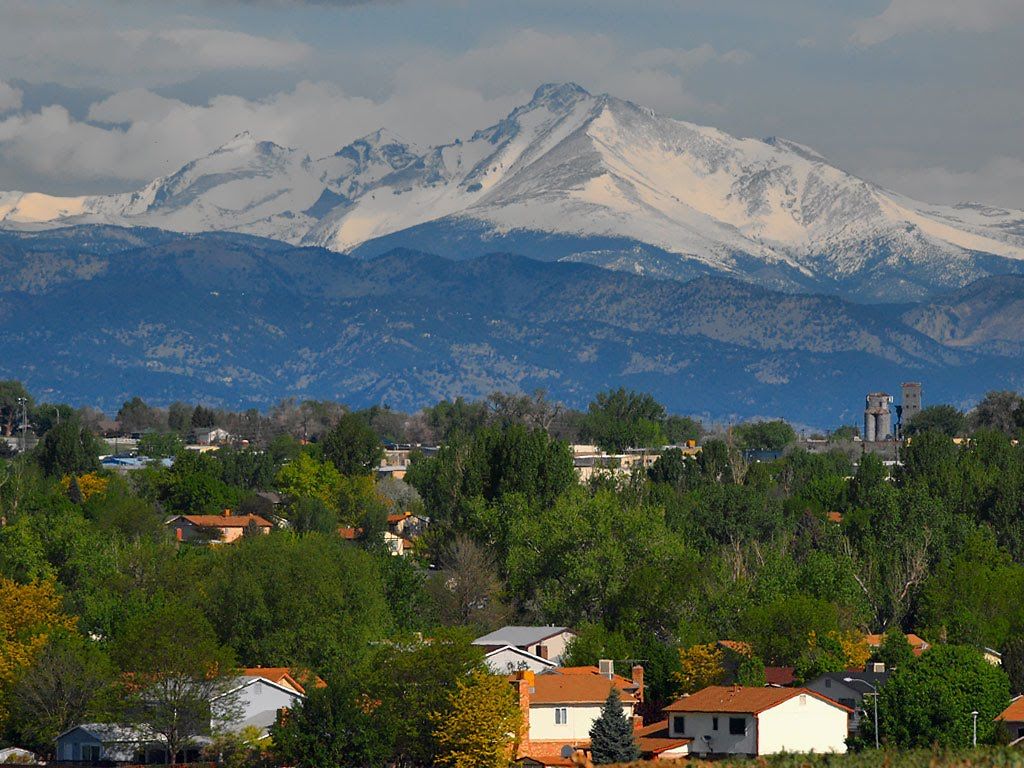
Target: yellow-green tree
{"x":305,"y":477}
{"x":28,"y":614}
{"x":700,"y":666}
{"x":481,"y":726}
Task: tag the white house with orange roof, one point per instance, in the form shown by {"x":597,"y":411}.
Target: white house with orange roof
{"x":736,"y":720}
{"x":560,"y":706}
{"x":1012,"y":719}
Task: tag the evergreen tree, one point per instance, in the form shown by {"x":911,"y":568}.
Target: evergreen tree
{"x":611,"y":736}
{"x":74,"y":492}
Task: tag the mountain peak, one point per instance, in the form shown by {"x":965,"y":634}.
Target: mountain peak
{"x":558,"y":96}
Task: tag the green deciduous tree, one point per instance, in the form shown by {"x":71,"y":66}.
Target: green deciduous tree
{"x":944,"y":419}
{"x":764,"y":435}
{"x":930,"y":700}
{"x":611,"y":735}
{"x":620,"y":419}
{"x":352,"y":446}
{"x":69,"y":449}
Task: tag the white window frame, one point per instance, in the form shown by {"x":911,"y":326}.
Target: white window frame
{"x":561,"y":715}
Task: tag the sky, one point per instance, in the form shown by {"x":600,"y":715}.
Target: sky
{"x":923,"y":96}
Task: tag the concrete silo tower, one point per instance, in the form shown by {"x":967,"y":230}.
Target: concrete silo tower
{"x":877,"y":417}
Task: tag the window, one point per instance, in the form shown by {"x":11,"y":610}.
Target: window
{"x":714,"y":723}
{"x":737,"y":726}
{"x":679,"y":725}
{"x":91,"y":753}
{"x":561,"y":716}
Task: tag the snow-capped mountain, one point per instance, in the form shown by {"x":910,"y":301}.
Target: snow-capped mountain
{"x":575,"y":176}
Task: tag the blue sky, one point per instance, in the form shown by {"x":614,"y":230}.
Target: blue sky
{"x":924,"y":96}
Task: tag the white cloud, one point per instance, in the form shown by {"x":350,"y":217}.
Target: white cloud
{"x":136,"y":134}
{"x":999,"y":181}
{"x":42,"y":41}
{"x":10,"y":97}
{"x":903,"y":16}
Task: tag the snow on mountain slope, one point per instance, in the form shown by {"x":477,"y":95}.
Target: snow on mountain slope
{"x":575,"y":165}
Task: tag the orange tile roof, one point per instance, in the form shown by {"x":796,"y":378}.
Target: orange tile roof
{"x":226,"y":521}
{"x":779,"y":675}
{"x":555,"y":687}
{"x":746,"y":700}
{"x":280,"y":675}
{"x":834,"y":517}
{"x":348,"y":533}
{"x":398,"y":517}
{"x":918,"y":644}
{"x":1013,"y":713}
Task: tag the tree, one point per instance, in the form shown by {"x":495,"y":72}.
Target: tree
{"x":160,"y":445}
{"x":700,"y":666}
{"x":751,"y":673}
{"x":764,"y":435}
{"x":180,"y":681}
{"x":611,"y":735}
{"x":311,"y":515}
{"x":307,"y":478}
{"x":937,"y":418}
{"x":997,"y":410}
{"x":136,"y":416}
{"x":66,"y":685}
{"x":679,"y":429}
{"x":11,"y":393}
{"x":895,"y":650}
{"x":339,"y":725}
{"x":843,"y":434}
{"x":352,"y":446}
{"x":203,"y":418}
{"x":179,"y":417}
{"x":1013,"y":663}
{"x":481,"y":724}
{"x":620,"y":419}
{"x":29,"y":614}
{"x":69,"y":449}
{"x":467,"y":589}
{"x":930,"y":699}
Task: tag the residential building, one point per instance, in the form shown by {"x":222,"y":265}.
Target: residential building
{"x":259,"y":699}
{"x":917,"y":644}
{"x":113,"y":743}
{"x":1012,"y":719}
{"x":546,"y":642}
{"x":17,"y":756}
{"x":560,"y":706}
{"x":214,"y":436}
{"x":508,"y":660}
{"x":216,"y":529}
{"x":855,"y":694}
{"x":735,"y":720}
{"x":656,"y":743}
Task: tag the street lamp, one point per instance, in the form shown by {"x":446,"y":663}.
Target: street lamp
{"x":874,"y":694}
{"x":974,"y":734}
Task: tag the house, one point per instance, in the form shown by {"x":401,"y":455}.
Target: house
{"x":655,"y":743}
{"x":214,"y":436}
{"x":259,"y":699}
{"x":546,"y":642}
{"x":851,"y":694}
{"x":508,"y":660}
{"x":297,"y":680}
{"x":560,"y":706}
{"x":992,"y":656}
{"x":407,"y":525}
{"x":216,"y":529}
{"x":779,"y":677}
{"x":917,"y":644}
{"x":735,"y":720}
{"x":396,"y":544}
{"x":1012,"y":719}
{"x":113,"y":743}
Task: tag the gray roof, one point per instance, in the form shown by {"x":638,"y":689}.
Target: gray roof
{"x":519,"y":636}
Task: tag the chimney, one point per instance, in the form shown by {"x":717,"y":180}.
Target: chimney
{"x":638,"y":681}
{"x":606,"y":668}
{"x":638,"y":722}
{"x":226,"y":513}
{"x":524,"y":681}
{"x":179,"y":534}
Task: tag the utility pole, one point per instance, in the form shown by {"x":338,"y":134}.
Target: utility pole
{"x":23,"y":402}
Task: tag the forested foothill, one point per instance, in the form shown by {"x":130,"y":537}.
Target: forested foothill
{"x":795,"y":559}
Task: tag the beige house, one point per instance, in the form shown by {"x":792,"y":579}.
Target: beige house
{"x":546,"y":642}
{"x":734,"y":720}
{"x":216,"y":529}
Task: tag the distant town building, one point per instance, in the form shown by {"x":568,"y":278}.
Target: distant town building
{"x":877,"y":417}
